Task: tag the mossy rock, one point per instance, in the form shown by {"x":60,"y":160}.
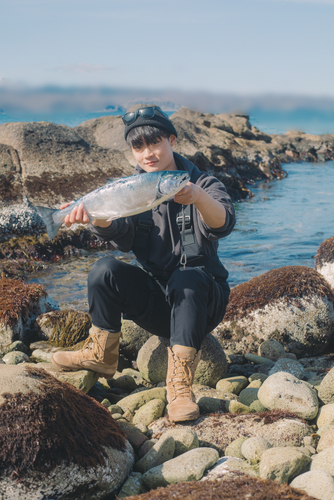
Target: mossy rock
{"x":292,"y":305}
{"x":64,"y":328}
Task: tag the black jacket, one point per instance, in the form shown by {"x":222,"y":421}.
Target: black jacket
{"x":164,"y":245}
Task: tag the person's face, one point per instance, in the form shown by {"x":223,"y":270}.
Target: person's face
{"x":156,"y":157}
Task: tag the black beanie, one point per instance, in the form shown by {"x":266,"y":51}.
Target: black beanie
{"x":157,"y":121}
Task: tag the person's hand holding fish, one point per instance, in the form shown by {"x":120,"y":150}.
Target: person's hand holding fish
{"x":79,"y":216}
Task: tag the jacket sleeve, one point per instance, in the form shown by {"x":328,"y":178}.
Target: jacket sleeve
{"x":217,"y":191}
{"x":120,"y":233}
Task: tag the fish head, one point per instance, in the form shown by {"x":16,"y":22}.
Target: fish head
{"x":172,"y":181}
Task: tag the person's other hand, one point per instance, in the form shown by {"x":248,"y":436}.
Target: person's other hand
{"x":77,"y":216}
{"x":188,"y":195}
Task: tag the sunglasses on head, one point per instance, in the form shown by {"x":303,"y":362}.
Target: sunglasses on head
{"x":147,"y":113}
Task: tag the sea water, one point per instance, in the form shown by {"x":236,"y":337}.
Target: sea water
{"x":282,"y":225}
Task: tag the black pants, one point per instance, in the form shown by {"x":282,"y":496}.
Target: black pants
{"x":184,"y":309}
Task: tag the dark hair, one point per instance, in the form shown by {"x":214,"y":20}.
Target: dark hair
{"x":146,"y":134}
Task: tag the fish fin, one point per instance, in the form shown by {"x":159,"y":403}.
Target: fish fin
{"x":51,"y":226}
{"x":111,"y":179}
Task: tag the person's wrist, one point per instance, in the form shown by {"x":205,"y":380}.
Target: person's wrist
{"x":101,"y":223}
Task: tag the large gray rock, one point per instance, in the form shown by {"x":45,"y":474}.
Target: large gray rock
{"x":252,"y":448}
{"x":324,"y":460}
{"x":271,"y":349}
{"x":283,"y":464}
{"x":11,"y":191}
{"x":132,"y":340}
{"x":49,"y":156}
{"x":326,"y":388}
{"x":288,"y":366}
{"x":292,"y":305}
{"x":187,"y":467}
{"x":326,"y":415}
{"x":326,"y":440}
{"x":317,"y":483}
{"x":135,"y":401}
{"x":152,"y":361}
{"x":185,"y":440}
{"x":15,"y":357}
{"x":161,"y":452}
{"x":134,"y":485}
{"x":150,"y":411}
{"x":283,"y":391}
{"x":71,"y":470}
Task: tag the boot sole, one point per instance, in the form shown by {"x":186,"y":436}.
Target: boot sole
{"x":186,"y":418}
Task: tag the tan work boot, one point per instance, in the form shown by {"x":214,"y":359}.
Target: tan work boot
{"x":182,"y":364}
{"x":99,"y":353}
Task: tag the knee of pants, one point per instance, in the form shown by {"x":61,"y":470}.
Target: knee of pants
{"x":103,"y":271}
{"x":189,"y":281}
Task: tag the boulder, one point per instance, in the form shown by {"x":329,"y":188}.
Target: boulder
{"x":324,"y":460}
{"x":324,"y":260}
{"x":316,"y":483}
{"x":185,"y":440}
{"x":150,"y":411}
{"x":219,"y":430}
{"x":326,"y":440}
{"x":11,"y":191}
{"x":82,"y":459}
{"x":15,"y":357}
{"x":271,"y":349}
{"x":161,"y":452}
{"x":252,"y":448}
{"x":283,"y":391}
{"x":135,"y":401}
{"x":283,"y":464}
{"x":288,"y":366}
{"x":230,"y":466}
{"x":153,"y":359}
{"x":187,"y":467}
{"x":232,"y":384}
{"x":292,"y":305}
{"x":326,"y":415}
{"x":234,"y":448}
{"x":20,"y":304}
{"x":81,"y":379}
{"x":326,"y":388}
{"x":132,"y":340}
{"x":49,"y":156}
{"x":64,"y":328}
{"x":134,"y":485}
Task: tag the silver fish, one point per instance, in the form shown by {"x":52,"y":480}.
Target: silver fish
{"x":120,"y":198}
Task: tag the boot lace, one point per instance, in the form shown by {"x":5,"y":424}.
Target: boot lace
{"x":92,"y":344}
{"x":182,"y":378}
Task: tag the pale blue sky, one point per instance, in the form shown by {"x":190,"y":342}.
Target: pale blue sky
{"x":240,"y":46}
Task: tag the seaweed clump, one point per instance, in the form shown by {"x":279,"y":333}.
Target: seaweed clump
{"x":16,"y":298}
{"x":325,"y":253}
{"x":38,"y":430}
{"x":288,"y":282}
{"x":238,"y":487}
{"x":67,"y":327}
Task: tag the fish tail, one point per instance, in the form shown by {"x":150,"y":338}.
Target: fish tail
{"x":51,"y":226}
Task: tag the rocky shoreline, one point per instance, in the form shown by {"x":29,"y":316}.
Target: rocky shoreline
{"x":264,"y":384}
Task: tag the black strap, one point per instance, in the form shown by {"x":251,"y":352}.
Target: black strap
{"x":186,"y":226}
{"x":143,"y":229}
